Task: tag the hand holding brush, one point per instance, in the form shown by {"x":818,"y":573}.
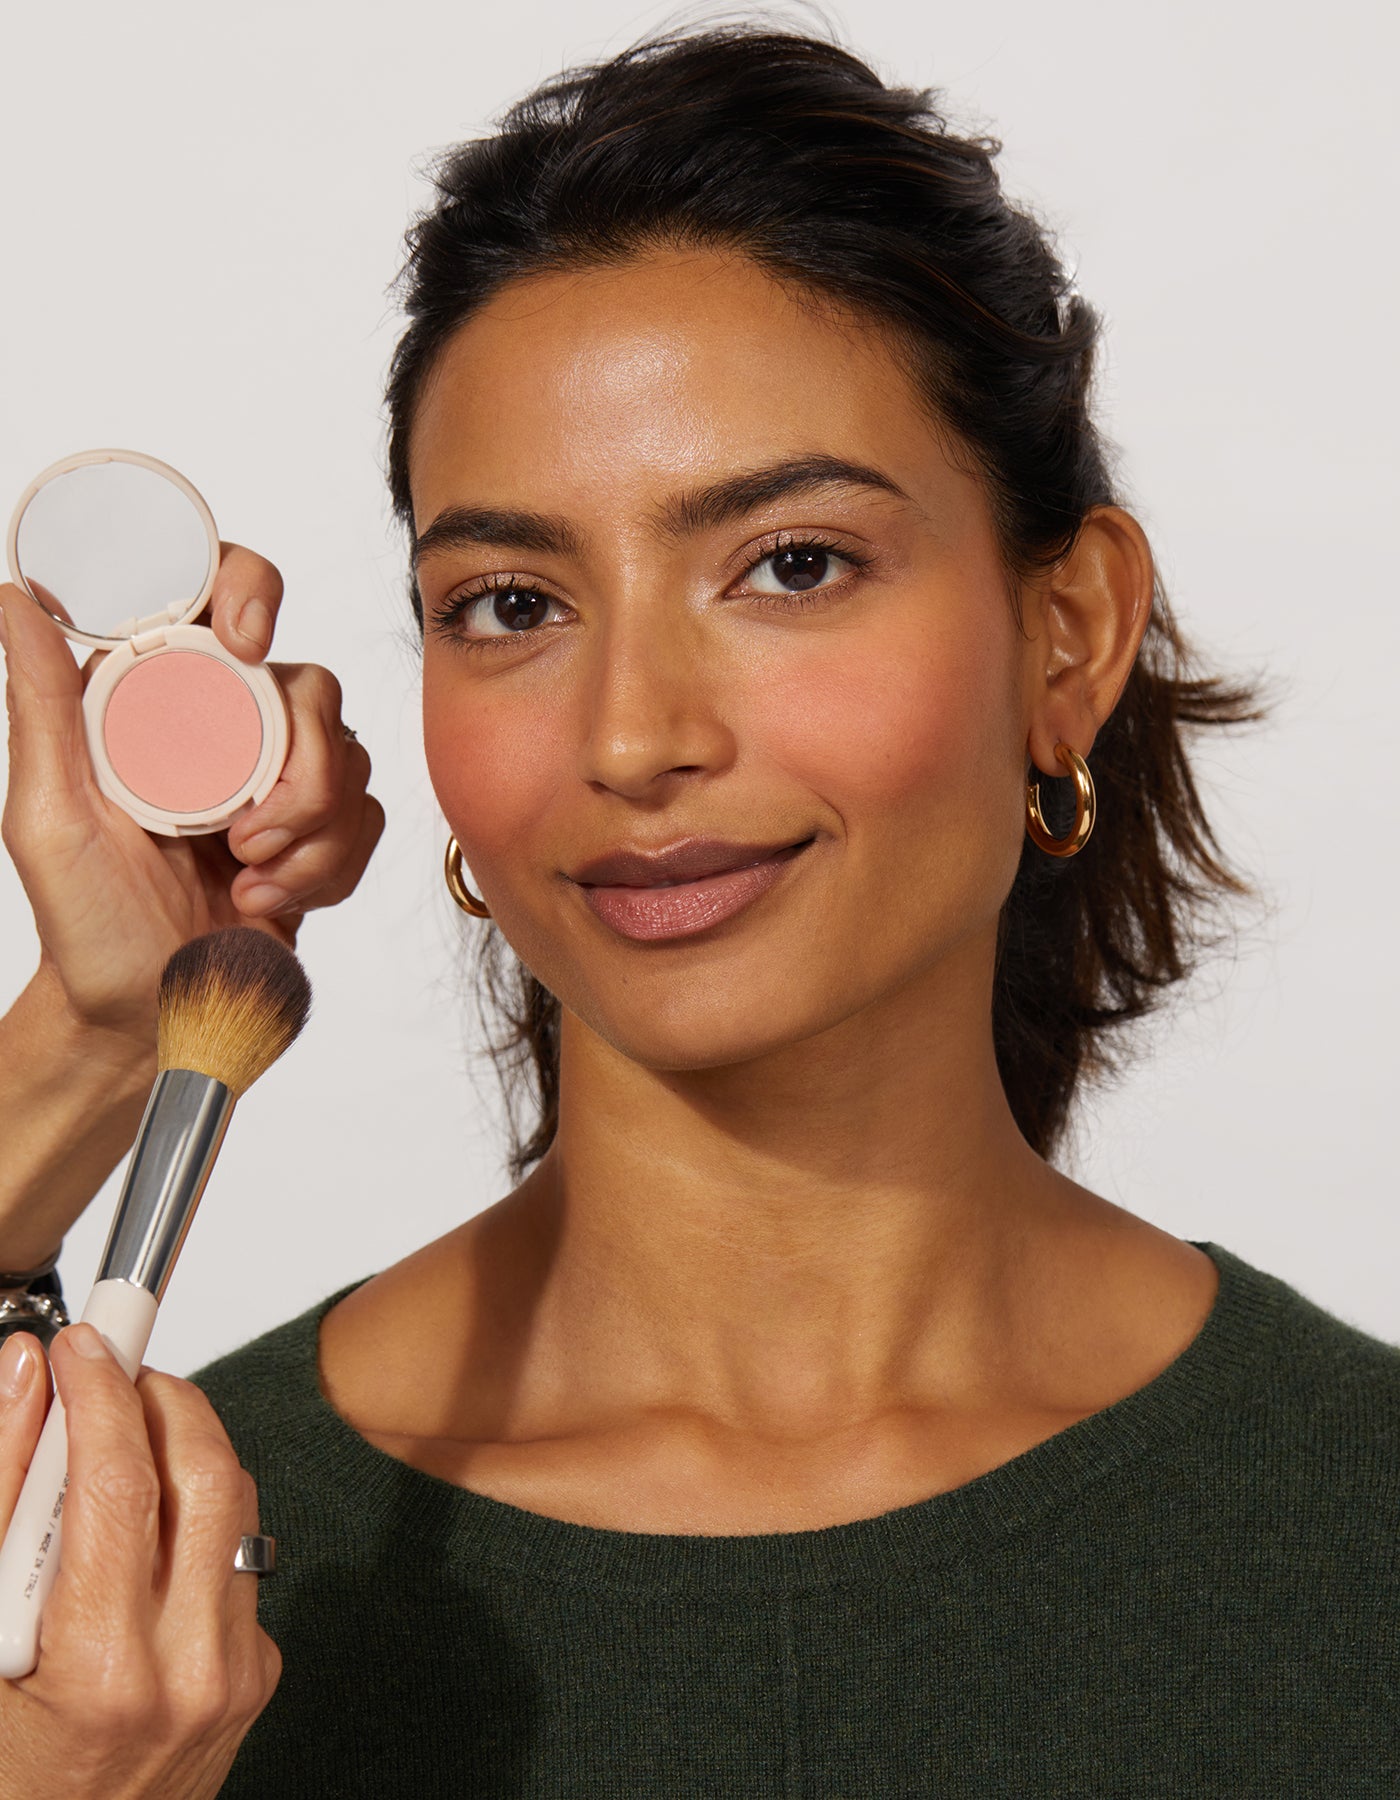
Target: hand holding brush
{"x":229,"y":1004}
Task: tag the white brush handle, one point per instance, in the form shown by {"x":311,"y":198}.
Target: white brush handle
{"x":124,"y":1315}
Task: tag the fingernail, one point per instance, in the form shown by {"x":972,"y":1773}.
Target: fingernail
{"x":86,"y":1340}
{"x":17,"y":1367}
{"x":255,"y":623}
{"x":265,"y":844}
{"x":263,"y":897}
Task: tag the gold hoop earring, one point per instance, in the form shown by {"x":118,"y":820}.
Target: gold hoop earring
{"x":458,"y":888}
{"x":1084,"y":804}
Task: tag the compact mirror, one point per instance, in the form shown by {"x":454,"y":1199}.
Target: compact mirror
{"x":112,"y":543}
{"x":122,"y":552}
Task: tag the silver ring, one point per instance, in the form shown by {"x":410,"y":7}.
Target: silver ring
{"x":256,"y":1555}
{"x":348,"y":734}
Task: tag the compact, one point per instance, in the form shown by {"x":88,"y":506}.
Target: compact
{"x":121,"y":551}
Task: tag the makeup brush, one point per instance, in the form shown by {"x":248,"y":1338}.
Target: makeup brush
{"x":229,"y":1004}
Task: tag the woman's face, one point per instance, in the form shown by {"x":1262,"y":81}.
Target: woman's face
{"x":654,"y":672}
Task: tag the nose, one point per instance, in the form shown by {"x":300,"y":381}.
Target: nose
{"x":653,"y":699}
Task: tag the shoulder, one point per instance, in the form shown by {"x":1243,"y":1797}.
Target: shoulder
{"x":266,"y":1392}
{"x":1317,"y":1401}
{"x":1327,"y":1366}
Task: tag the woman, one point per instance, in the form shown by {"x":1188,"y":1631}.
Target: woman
{"x":793,"y":1426}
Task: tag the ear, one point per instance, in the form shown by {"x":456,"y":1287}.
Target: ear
{"x":1085,"y":621}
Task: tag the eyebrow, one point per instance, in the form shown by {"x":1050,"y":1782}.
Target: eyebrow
{"x":701,"y":509}
{"x":459,"y":527}
{"x":725,"y":501}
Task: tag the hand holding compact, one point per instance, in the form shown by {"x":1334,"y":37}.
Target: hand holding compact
{"x":122,"y":552}
{"x":178,"y":726}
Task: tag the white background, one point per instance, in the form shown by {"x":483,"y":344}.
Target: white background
{"x":202,"y":212}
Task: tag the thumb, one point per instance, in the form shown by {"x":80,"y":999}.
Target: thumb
{"x":23,"y":1391}
{"x":49,"y":760}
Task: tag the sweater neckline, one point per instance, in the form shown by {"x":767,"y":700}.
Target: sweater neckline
{"x":374,"y":1492}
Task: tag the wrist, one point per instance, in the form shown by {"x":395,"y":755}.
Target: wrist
{"x":71,"y":1097}
{"x":122,"y":1060}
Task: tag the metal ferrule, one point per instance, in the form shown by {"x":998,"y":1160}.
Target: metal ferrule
{"x":181,"y":1131}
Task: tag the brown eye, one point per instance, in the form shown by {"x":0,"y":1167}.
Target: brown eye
{"x":507,"y":605}
{"x":493,"y":614}
{"x":800,"y":567}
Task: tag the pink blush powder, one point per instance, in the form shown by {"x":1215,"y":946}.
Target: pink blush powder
{"x":183,"y":731}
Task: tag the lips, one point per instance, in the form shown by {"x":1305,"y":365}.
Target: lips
{"x":690,"y":860}
{"x":664,"y":912}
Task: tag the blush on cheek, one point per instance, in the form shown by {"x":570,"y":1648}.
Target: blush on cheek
{"x":886,"y":732}
{"x":915,"y":754}
{"x":495,"y":771}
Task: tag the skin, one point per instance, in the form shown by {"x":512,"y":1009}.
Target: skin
{"x":111,"y":901}
{"x":152,"y":1665}
{"x":789,"y":1261}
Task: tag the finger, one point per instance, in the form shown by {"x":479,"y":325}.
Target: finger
{"x":204,"y":1493}
{"x":320,"y":870}
{"x":254,"y":1662}
{"x":23,"y":1391}
{"x":244,"y":604}
{"x":312,"y":786}
{"x":210,"y":1617}
{"x":51,"y":770}
{"x":111,"y":1513}
{"x":208,"y":1501}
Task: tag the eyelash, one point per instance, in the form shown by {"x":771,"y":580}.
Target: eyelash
{"x":457,"y":606}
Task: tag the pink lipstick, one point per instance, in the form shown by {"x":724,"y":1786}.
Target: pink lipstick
{"x":652,"y":913}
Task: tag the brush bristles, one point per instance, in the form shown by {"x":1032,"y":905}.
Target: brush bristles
{"x":229,"y":1004}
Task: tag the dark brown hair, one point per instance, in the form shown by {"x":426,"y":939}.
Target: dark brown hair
{"x":792,"y":151}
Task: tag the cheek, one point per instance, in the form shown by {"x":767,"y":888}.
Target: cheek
{"x":494,"y":771}
{"x":914,"y":730}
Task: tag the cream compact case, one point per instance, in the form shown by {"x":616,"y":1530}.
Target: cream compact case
{"x":121,"y":551}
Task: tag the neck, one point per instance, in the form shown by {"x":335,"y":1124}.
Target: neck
{"x":816,"y":1233}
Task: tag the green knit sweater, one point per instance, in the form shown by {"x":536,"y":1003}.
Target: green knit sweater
{"x":1195,"y":1592}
